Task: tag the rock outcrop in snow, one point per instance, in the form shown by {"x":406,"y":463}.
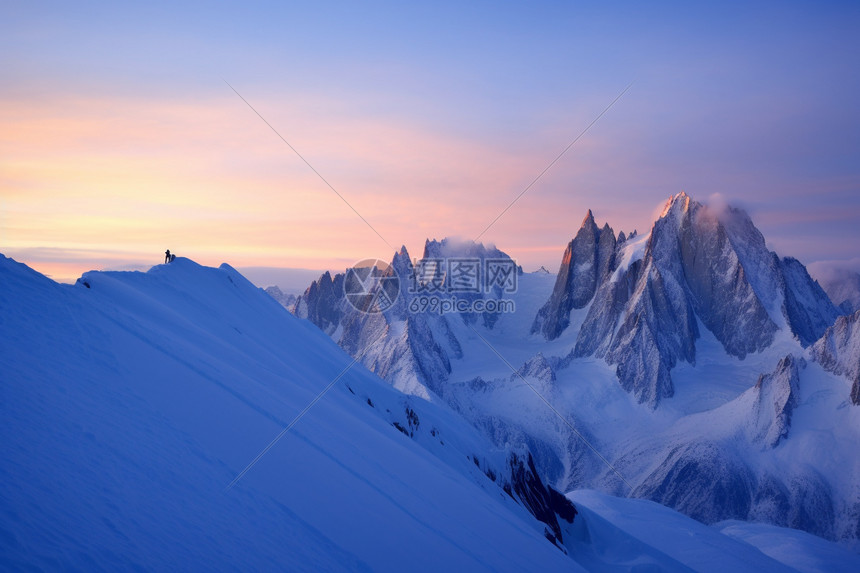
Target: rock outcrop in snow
{"x":838,"y":351}
{"x":774,"y":400}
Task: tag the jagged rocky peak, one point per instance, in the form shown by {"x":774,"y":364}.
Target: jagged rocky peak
{"x":699,"y":264}
{"x":782,"y":285}
{"x":838,"y":351}
{"x":588,"y":221}
{"x":587,"y":260}
{"x":722,"y":294}
{"x":658,"y":328}
{"x":644,"y":320}
{"x":676,"y":206}
{"x":320,"y":302}
{"x":400,"y":263}
{"x":775,"y":397}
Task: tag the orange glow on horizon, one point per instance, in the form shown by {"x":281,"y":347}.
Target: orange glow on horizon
{"x":125,"y":179}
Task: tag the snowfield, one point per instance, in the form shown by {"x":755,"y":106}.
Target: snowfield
{"x":130,"y":402}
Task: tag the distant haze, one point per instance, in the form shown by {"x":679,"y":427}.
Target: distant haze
{"x":291,"y":281}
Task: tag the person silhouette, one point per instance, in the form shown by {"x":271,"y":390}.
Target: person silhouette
{"x":167,"y":258}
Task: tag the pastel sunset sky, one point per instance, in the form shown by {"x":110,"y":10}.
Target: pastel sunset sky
{"x":119,"y":137}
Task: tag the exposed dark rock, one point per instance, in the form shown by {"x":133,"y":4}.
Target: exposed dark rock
{"x":321,"y":302}
{"x":586,"y":261}
{"x":808,"y":309}
{"x":542,"y":501}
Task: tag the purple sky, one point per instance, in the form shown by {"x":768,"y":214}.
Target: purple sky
{"x":121,"y":138}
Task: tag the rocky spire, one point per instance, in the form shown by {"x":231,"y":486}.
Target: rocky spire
{"x":586,"y":262}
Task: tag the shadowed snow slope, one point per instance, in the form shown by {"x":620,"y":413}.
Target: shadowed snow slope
{"x":131,"y":400}
{"x":640,"y":535}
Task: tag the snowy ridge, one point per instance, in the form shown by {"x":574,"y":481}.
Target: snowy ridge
{"x":132,"y":399}
{"x":775,"y":400}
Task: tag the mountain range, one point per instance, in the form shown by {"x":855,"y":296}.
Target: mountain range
{"x":181,"y":418}
{"x":689,"y":365}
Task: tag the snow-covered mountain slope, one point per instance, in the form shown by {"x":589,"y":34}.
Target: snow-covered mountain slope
{"x":642,"y":535}
{"x":769,"y":438}
{"x":131,"y":400}
{"x":838,"y":351}
{"x":783,"y":452}
{"x":799,"y":550}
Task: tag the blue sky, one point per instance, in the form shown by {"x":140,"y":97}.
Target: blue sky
{"x":122,"y":138}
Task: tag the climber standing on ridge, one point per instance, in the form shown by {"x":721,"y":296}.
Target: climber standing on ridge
{"x":167,"y":258}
